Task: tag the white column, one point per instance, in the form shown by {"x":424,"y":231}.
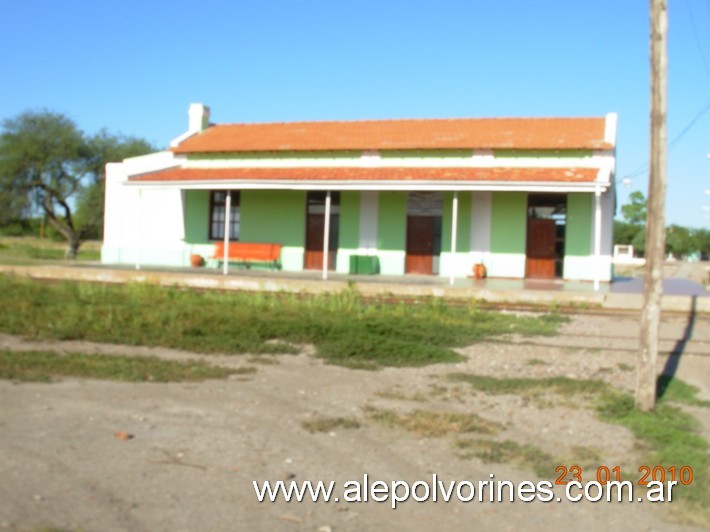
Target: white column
{"x":227,"y":212}
{"x":597,"y":236}
{"x":326,"y":236}
{"x":454,"y":227}
{"x":369,"y":203}
{"x":138,"y":231}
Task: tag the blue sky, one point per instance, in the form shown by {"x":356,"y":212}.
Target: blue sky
{"x":134,"y":67}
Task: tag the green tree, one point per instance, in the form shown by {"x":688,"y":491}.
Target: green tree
{"x":680,"y":241}
{"x":103,"y":148}
{"x":701,"y":238}
{"x":624,"y":233}
{"x":48,"y":165}
{"x":635,"y":212}
{"x":639,"y":242}
{"x":42,"y":155}
{"x":15,"y":208}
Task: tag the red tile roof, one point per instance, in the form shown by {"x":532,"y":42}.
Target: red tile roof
{"x":564,"y":175}
{"x":482,"y":133}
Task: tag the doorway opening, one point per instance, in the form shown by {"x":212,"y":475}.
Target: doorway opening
{"x":545,"y":248}
{"x":423,"y":247}
{"x":315,"y":229}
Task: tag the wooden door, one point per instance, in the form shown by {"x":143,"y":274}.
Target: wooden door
{"x":315,"y":225}
{"x":313,"y":260}
{"x":541,"y":255}
{"x":420,"y":245}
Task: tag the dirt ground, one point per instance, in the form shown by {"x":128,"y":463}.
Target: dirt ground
{"x":196,"y":448}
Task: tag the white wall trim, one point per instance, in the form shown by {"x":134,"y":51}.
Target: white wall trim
{"x":511,"y":265}
{"x":369,"y":209}
{"x":370,"y":158}
{"x":481,"y":211}
{"x":153,"y":162}
{"x":177,"y":140}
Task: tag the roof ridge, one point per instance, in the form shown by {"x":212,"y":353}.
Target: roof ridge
{"x":391,"y":120}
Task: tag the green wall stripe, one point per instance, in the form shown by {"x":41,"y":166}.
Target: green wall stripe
{"x":412,"y":154}
{"x":384,"y":154}
{"x":349,"y":220}
{"x":197,"y":216}
{"x":392,"y":221}
{"x":277,"y":216}
{"x":249,"y":156}
{"x":578,"y":237}
{"x":553,"y":154}
{"x":508,"y":222}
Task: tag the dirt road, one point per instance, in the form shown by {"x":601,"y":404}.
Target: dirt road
{"x":196,"y":448}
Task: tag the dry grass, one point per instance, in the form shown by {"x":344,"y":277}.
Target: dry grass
{"x":508,"y":452}
{"x":433,"y":424}
{"x":329,"y":424}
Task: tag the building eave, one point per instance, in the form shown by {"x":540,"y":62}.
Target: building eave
{"x":380,"y":185}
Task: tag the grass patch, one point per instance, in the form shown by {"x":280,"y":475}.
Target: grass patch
{"x":31,"y":250}
{"x":328,"y":424}
{"x":433,"y":424}
{"x":536,"y":362}
{"x":509,"y":452}
{"x":264,"y":360}
{"x":524,"y":455}
{"x":624,"y":367}
{"x":345,"y":329}
{"x":521,"y":386}
{"x":677,"y":391}
{"x":39,"y":366}
{"x":669,"y":437}
{"x":666,"y":436}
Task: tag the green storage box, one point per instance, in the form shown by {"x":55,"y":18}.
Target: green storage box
{"x":364,"y":265}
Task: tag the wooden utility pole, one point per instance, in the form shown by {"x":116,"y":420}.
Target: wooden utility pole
{"x":655,"y":219}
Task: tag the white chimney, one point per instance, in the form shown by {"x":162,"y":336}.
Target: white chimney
{"x":199,"y":117}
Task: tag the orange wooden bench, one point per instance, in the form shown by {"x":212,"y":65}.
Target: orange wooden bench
{"x":247,"y":252}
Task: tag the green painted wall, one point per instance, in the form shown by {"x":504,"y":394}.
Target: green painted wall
{"x":401,"y":154}
{"x":392,"y":221}
{"x":579,"y":218}
{"x":349,"y":220}
{"x":336,"y":154}
{"x":249,"y":156}
{"x":463,"y":233}
{"x":277,"y":216}
{"x":555,"y":154}
{"x":508,"y":222}
{"x":197,"y":216}
{"x":384,"y":154}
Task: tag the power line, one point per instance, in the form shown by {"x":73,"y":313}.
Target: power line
{"x":641,"y":169}
{"x":697,"y":39}
{"x":672,"y":144}
{"x":689,"y":126}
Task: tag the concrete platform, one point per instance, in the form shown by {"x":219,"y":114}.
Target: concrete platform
{"x":620,"y":295}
